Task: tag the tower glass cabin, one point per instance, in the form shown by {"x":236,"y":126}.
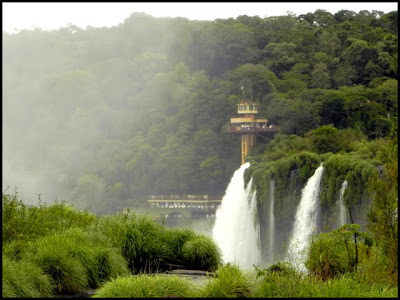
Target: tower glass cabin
{"x":247,"y":125}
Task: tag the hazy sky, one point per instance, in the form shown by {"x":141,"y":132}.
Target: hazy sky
{"x":17,"y":16}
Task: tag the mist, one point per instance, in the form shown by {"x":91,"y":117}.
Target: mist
{"x":95,"y":117}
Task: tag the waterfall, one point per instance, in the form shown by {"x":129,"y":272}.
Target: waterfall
{"x":271,"y":235}
{"x":342,"y":207}
{"x":235,"y":231}
{"x":305,"y":220}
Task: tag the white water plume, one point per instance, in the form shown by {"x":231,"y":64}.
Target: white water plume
{"x":235,"y":230}
{"x":305,"y":220}
{"x":271,"y":235}
{"x":342,"y":207}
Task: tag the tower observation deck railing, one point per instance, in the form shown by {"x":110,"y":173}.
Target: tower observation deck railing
{"x":244,"y":128}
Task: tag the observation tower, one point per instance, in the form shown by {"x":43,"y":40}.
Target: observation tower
{"x":248,"y":126}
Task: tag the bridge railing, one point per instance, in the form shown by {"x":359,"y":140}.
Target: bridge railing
{"x":193,"y":206}
{"x":173,"y":197}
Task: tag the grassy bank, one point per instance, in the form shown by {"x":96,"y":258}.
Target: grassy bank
{"x":232,"y":282}
{"x":51,"y":250}
{"x":56,"y":249}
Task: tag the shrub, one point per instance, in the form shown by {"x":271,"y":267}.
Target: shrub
{"x":230,"y":282}
{"x":283,"y":268}
{"x":24,"y":279}
{"x":324,"y":139}
{"x":336,"y":252}
{"x":201,"y":253}
{"x":328,"y":256}
{"x":146,"y":286}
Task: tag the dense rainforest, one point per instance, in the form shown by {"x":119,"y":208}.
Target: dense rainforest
{"x":103,"y":117}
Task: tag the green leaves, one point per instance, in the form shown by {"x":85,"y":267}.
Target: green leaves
{"x":201,"y":253}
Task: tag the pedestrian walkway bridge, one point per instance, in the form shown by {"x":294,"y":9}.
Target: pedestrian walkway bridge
{"x":191,"y":202}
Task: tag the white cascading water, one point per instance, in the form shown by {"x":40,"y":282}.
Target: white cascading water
{"x":271,"y":235}
{"x":305,"y":221}
{"x":235,"y":231}
{"x":342,"y":207}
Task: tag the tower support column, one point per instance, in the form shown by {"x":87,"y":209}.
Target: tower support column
{"x":247,"y":144}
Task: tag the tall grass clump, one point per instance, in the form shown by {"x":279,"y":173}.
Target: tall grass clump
{"x":201,"y":253}
{"x":101,"y":262}
{"x":22,"y":222}
{"x":109,"y":263}
{"x":175,"y":239}
{"x":114,"y":228}
{"x":230,"y":282}
{"x":147,"y":286}
{"x":140,"y":239}
{"x":15,"y":249}
{"x":53,"y":255}
{"x":142,"y":245}
{"x":74,"y":261}
{"x":342,"y":286}
{"x":274,"y":284}
{"x":375,"y":268}
{"x":149,"y":247}
{"x":23,"y":279}
{"x":279,"y":280}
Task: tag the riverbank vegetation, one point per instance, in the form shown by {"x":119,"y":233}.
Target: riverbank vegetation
{"x":77,"y":250}
{"x":231,"y":282}
{"x":115,"y":254}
